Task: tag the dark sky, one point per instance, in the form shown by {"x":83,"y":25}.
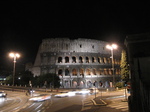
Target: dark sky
{"x":25,"y":24}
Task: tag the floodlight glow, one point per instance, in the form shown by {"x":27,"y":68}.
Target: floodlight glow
{"x":108,"y":47}
{"x":17,"y":55}
{"x":114,"y":46}
{"x":111,"y":47}
{"x":14,"y":55}
{"x":11,"y":54}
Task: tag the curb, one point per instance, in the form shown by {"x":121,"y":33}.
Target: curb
{"x":104,"y":103}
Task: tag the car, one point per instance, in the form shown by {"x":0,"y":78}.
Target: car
{"x":30,"y":92}
{"x":41,"y":97}
{"x":62,"y":94}
{"x":83,"y":91}
{"x":94,"y":90}
{"x":71,"y":93}
{"x":3,"y":94}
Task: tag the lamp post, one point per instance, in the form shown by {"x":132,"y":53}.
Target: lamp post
{"x":112,"y":47}
{"x":15,"y":56}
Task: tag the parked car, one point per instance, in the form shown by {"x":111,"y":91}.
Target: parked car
{"x":41,"y":97}
{"x":3,"y":94}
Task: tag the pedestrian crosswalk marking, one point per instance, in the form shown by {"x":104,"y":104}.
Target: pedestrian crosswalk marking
{"x":86,"y":104}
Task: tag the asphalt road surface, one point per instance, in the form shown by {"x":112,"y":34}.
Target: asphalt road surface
{"x":19,"y":102}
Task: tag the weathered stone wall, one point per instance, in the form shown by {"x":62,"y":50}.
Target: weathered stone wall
{"x":78,"y":45}
{"x":70,"y":52}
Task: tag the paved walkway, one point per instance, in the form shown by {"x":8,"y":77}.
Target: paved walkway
{"x":111,"y":104}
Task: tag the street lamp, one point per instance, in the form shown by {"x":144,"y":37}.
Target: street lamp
{"x":15,"y":56}
{"x":112,"y":47}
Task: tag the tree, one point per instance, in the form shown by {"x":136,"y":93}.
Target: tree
{"x":48,"y":79}
{"x":25,"y":77}
{"x":8,"y":80}
{"x":124,"y":66}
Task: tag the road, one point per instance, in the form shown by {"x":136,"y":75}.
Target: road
{"x":19,"y":102}
{"x":13,"y":102}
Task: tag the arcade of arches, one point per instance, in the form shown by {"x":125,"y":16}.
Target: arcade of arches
{"x":86,"y":83}
{"x":73,"y":59}
{"x":86,"y":77}
{"x":70,"y":75}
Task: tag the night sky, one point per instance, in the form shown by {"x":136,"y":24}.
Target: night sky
{"x":25,"y":24}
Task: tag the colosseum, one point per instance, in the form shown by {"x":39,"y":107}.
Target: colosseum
{"x":80,"y":63}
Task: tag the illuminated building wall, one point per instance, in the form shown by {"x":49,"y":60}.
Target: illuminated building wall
{"x":79,"y":63}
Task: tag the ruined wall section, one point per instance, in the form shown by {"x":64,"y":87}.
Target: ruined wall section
{"x":76,"y":45}
{"x":52,"y":48}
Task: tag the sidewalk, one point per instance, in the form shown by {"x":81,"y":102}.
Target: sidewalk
{"x":104,"y":104}
{"x":99,"y":99}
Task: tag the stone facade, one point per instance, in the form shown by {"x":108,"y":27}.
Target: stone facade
{"x":80,"y":63}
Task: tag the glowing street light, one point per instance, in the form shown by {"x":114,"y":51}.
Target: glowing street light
{"x":112,"y":47}
{"x":15,"y":56}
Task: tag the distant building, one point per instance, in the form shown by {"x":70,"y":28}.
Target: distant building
{"x":80,"y":63}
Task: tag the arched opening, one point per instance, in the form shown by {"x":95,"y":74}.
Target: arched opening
{"x":66,"y":72}
{"x":73,"y":59}
{"x":98,"y":59}
{"x":87,"y":60}
{"x":110,"y":71}
{"x":67,"y":84}
{"x":95,"y":84}
{"x":66,"y":59}
{"x":80,"y":59}
{"x":94,"y":71}
{"x":93,"y":60}
{"x":118,"y":62}
{"x":107,"y":84}
{"x":74,"y":84}
{"x":108,"y":59}
{"x":99,"y":72}
{"x":105,"y":60}
{"x":88,"y":72}
{"x":81,"y":85}
{"x":101,"y":60}
{"x":81,"y":72}
{"x":102,"y":71}
{"x":60,"y":72}
{"x":105,"y":72}
{"x":74,"y":72}
{"x":100,"y":84}
{"x":110,"y":83}
{"x":115,"y":61}
{"x":117,"y":71}
{"x":59,"y":59}
{"x":89,"y":84}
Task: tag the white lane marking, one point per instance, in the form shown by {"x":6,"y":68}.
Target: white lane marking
{"x":38,"y":106}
